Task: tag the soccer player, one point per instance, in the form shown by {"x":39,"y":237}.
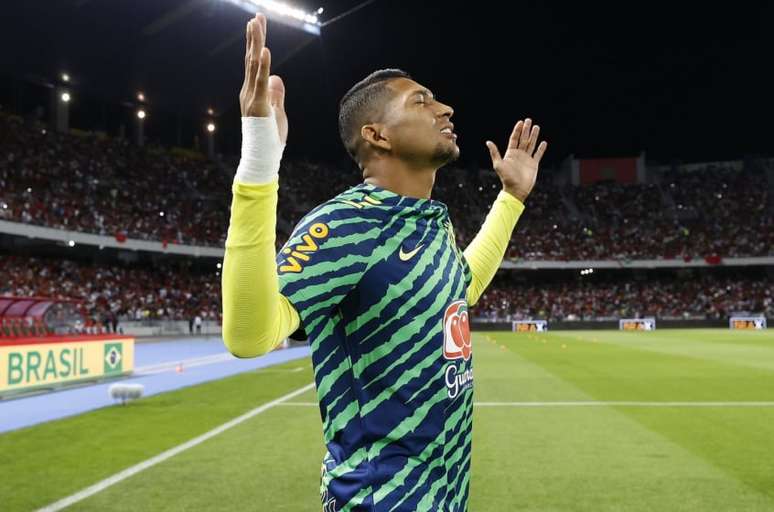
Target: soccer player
{"x":375,"y":279}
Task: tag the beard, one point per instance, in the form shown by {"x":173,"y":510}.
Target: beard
{"x":445,"y":154}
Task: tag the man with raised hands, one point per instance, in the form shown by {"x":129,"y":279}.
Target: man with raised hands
{"x":375,"y":279}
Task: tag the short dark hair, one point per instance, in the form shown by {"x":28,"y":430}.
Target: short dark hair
{"x":361,"y":104}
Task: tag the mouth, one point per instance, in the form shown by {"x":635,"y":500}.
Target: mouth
{"x":448,"y":131}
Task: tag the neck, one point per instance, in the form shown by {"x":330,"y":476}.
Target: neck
{"x":401,"y":178}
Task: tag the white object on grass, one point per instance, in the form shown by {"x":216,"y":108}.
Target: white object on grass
{"x":125,"y":392}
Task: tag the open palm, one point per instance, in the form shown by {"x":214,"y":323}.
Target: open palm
{"x":261,"y":93}
{"x":518,"y":168}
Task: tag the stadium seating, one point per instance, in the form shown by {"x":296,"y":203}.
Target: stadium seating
{"x":176,"y":292}
{"x":164,"y":291}
{"x":107,"y":186}
{"x":704,"y":295}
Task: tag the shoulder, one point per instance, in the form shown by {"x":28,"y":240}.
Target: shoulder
{"x":336,"y":238}
{"x":354,"y":208}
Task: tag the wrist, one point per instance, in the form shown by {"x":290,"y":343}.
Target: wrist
{"x":517,"y":193}
{"x":261,"y":151}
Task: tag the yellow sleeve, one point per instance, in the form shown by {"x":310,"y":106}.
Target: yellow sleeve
{"x":487,"y":249}
{"x":256,"y":316}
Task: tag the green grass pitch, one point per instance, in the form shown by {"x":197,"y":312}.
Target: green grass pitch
{"x":563,"y":451}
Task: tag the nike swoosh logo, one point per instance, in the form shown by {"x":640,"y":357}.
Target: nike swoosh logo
{"x":405,"y":256}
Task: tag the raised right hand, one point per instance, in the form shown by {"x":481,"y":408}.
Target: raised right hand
{"x":260,"y":92}
{"x":518,"y":168}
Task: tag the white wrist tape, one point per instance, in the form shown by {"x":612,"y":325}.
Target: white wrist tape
{"x":261,"y":151}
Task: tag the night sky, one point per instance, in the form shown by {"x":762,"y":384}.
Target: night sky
{"x":687,"y":83}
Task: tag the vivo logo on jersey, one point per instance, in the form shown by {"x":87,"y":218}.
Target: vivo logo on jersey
{"x":296,"y":256}
{"x":456,"y":331}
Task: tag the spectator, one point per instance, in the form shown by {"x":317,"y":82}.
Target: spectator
{"x":704,"y":295}
{"x":106,"y":186}
{"x":176,"y":292}
{"x":165,"y":291}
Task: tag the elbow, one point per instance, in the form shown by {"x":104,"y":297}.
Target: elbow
{"x":246,"y":345}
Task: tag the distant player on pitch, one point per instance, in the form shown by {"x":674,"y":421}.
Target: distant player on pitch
{"x":375,"y":279}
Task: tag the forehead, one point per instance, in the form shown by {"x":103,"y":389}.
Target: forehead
{"x":405,"y":86}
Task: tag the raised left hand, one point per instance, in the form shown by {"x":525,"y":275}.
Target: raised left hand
{"x":518,"y":168}
{"x":262,"y":92}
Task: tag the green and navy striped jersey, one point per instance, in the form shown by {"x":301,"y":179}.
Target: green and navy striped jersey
{"x":380,"y":286}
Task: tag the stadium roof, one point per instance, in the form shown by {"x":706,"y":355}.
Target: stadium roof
{"x":602,"y":79}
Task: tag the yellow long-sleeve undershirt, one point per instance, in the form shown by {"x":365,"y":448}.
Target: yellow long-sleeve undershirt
{"x":487,"y":249}
{"x":256,"y":316}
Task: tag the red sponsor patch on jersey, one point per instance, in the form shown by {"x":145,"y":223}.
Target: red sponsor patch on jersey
{"x":456,"y":331}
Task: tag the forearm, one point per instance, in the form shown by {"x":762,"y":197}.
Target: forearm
{"x":486,"y":251}
{"x":256,"y":317}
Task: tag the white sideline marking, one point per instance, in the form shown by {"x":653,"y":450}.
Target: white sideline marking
{"x":142,"y":466}
{"x":593,"y":404}
{"x":282,"y":370}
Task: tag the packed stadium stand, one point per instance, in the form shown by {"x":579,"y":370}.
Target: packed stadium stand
{"x":176,"y":291}
{"x":668,"y":295}
{"x":109,"y":187}
{"x":84,"y":182}
{"x":171,"y":291}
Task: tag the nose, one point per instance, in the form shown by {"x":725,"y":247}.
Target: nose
{"x":445,"y":110}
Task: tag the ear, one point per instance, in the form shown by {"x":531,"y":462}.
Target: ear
{"x":374,"y":136}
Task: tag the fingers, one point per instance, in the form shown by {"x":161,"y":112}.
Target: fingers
{"x":525,"y":132}
{"x":277,"y":101}
{"x":256,"y":41}
{"x":513,"y":142}
{"x":276,"y":92}
{"x":257,"y":27}
{"x":541,"y":150}
{"x":525,"y":137}
{"x":532,"y":142}
{"x":494,"y":153}
{"x":260,"y":20}
{"x":251,"y":58}
{"x":255,"y":98}
{"x":248,"y":42}
{"x":248,"y":52}
{"x":262,"y":82}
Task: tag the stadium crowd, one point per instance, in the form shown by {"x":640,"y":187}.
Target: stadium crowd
{"x":700,"y":296}
{"x":161,"y":291}
{"x":177,"y":292}
{"x":110,"y":187}
{"x":107,"y":186}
